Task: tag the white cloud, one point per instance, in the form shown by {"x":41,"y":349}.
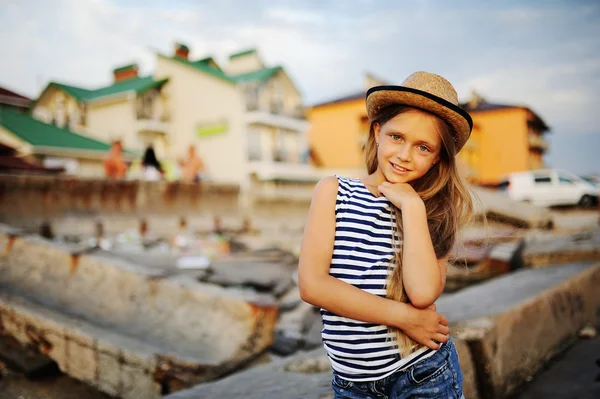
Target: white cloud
{"x":544,"y":57}
{"x":294,"y":16}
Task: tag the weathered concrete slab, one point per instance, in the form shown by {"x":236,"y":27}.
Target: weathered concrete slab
{"x":303,"y":376}
{"x":515,"y":323}
{"x":306,"y":375}
{"x":196,"y":331}
{"x":24,"y":360}
{"x":498,"y":206}
{"x":265,"y":276}
{"x":548,"y":249}
{"x":504,"y":331}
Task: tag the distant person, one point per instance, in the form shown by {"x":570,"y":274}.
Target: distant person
{"x":193,"y":167}
{"x":114,"y":164}
{"x":151,"y":168}
{"x":393,"y":231}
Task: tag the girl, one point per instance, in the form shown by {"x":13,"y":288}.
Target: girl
{"x":374,"y":252}
{"x":151,"y":168}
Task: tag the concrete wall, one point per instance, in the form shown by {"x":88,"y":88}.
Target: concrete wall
{"x":30,"y":196}
{"x":199,"y":99}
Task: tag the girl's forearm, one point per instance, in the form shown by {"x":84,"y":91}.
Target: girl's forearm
{"x":420,"y":268}
{"x":345,"y":300}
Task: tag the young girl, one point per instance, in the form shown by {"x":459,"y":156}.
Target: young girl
{"x":374,"y":252}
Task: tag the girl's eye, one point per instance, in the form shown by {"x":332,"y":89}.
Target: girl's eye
{"x":396,"y":137}
{"x":423,"y":148}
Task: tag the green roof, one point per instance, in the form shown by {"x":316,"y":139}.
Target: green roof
{"x":138,"y":85}
{"x":261,"y":75}
{"x":208,"y":61}
{"x":40,"y":134}
{"x":200,"y":66}
{"x":125,"y":68}
{"x":242,"y":53}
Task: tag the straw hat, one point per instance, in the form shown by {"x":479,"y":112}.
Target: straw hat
{"x":428,"y":92}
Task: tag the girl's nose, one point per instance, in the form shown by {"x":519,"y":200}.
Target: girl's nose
{"x":404,"y":153}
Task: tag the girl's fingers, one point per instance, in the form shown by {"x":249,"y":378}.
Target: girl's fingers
{"x":440,"y":338}
{"x":442,"y":329}
{"x":443,"y":320}
{"x":433,"y":345}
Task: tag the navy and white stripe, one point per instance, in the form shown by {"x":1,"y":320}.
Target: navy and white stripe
{"x":362,"y":254}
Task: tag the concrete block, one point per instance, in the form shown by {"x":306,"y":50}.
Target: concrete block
{"x":467,"y":367}
{"x":514,"y":324}
{"x":110,"y":372}
{"x":138,"y":383}
{"x":99,"y":303}
{"x":82,"y":362}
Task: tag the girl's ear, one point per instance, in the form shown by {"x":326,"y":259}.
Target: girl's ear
{"x":376,"y":131}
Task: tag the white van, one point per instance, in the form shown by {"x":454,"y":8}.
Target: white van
{"x":548,"y":187}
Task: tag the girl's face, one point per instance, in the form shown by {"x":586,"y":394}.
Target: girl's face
{"x":408,"y":146}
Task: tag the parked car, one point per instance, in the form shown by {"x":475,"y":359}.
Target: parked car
{"x":549,"y":187}
{"x":594,"y":180}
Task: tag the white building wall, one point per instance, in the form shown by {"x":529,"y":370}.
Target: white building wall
{"x":200,"y":99}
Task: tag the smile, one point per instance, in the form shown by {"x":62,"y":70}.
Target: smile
{"x":399,"y":169}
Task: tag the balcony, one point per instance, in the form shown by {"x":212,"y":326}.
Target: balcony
{"x":152,"y":125}
{"x":270,"y":170}
{"x":537,"y":142}
{"x":277,"y":117}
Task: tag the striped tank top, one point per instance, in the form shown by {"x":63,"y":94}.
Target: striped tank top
{"x":362,"y":252}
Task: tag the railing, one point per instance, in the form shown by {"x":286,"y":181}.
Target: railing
{"x":537,"y":141}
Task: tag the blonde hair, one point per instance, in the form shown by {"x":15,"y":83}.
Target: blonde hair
{"x":439,"y":187}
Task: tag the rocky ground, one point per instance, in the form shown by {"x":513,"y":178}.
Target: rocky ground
{"x":298,"y":328}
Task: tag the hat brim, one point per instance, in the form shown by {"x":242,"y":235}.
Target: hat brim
{"x":381,"y":96}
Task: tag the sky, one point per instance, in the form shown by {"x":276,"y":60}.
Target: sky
{"x":541,"y":54}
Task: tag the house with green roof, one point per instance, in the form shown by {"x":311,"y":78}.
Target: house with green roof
{"x":244,"y":117}
{"x":133,"y":109}
{"x":51,"y":145}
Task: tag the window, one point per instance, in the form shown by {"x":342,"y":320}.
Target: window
{"x":564,"y":180}
{"x":543,"y":180}
{"x":252,"y":92}
{"x":82,"y":114}
{"x":145,"y":104}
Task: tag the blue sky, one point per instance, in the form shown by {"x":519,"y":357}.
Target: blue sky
{"x":542,"y":54}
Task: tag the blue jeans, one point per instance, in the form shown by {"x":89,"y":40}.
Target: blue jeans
{"x":438,"y":376}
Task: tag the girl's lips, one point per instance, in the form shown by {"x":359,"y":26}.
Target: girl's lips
{"x":399,"y":169}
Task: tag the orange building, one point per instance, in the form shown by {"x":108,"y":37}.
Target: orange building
{"x":505,"y":138}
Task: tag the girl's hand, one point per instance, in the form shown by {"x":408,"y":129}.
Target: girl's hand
{"x":400,"y":194}
{"x":426,"y":326}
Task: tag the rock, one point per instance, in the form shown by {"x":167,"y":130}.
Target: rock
{"x":497,"y":206}
{"x":25,"y":360}
{"x":305,"y":375}
{"x":128,"y":328}
{"x":290,"y":300}
{"x":543,"y":250}
{"x":285,"y":345}
{"x":273,"y":277}
{"x":514,"y":323}
{"x":588,"y":332}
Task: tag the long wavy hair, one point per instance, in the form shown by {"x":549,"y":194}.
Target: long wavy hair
{"x":447,"y":200}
